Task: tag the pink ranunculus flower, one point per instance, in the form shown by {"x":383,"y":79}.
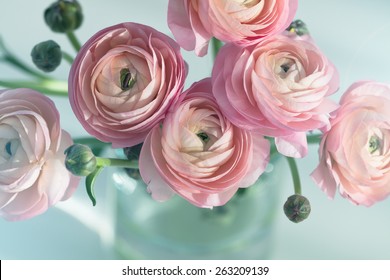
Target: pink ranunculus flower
{"x":199,"y":154}
{"x":355,"y":152}
{"x":33,"y":176}
{"x":123,"y":81}
{"x":244,"y":22}
{"x":279,"y":87}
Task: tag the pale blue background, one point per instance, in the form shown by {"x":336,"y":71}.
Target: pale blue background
{"x":354,"y":34}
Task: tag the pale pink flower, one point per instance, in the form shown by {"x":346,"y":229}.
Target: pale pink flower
{"x":244,"y":22}
{"x":33,"y":176}
{"x":279,"y":87}
{"x":355,"y":153}
{"x":199,"y":154}
{"x":123,"y":81}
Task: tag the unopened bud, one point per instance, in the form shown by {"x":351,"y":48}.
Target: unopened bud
{"x":64,"y":16}
{"x":297,"y":208}
{"x":47,"y":55}
{"x":298,"y":27}
{"x":80,"y":160}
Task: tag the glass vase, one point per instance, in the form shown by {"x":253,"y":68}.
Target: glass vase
{"x":176,"y":229}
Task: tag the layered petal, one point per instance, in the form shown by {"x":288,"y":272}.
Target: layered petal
{"x":123,"y":81}
{"x":199,"y":154}
{"x":194,"y":22}
{"x":33,"y":176}
{"x":355,"y":152}
{"x":279,"y":88}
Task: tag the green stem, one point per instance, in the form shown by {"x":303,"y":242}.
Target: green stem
{"x":73,"y":40}
{"x":311,"y":139}
{"x":89,"y":141}
{"x":314,"y":138}
{"x":295,"y":175}
{"x":18,"y":63}
{"x":67,"y":57}
{"x":47,"y":86}
{"x":216,"y":45}
{"x":117,"y":162}
{"x":96,"y":145}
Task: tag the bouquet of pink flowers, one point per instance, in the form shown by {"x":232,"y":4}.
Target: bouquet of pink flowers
{"x":268,"y":95}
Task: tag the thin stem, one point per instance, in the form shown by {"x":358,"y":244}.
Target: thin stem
{"x":47,"y":86}
{"x":216,"y":45}
{"x":96,"y":145}
{"x":73,"y":40}
{"x":295,"y":175}
{"x":314,"y":138}
{"x":16,"y":62}
{"x":19,"y":64}
{"x":117,"y":162}
{"x":89,"y":141}
{"x":67,"y":57}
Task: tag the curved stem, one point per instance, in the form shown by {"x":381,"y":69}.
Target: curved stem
{"x":73,"y":40}
{"x":314,"y":138}
{"x":96,"y":145}
{"x":47,"y":86}
{"x":295,"y":175}
{"x":90,"y":141}
{"x":117,"y":162}
{"x":216,"y":45}
{"x":18,"y":63}
{"x":67,"y":57}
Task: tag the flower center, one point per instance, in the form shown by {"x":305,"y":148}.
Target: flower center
{"x":286,"y":65}
{"x":203,"y":136}
{"x":374,"y":144}
{"x":9,"y":148}
{"x":287,"y":68}
{"x":127,"y":80}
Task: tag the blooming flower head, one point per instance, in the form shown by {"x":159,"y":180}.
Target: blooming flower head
{"x":244,"y":22}
{"x":199,"y":154}
{"x":32,"y":171}
{"x":278,"y":87}
{"x":123,"y":81}
{"x":355,"y":153}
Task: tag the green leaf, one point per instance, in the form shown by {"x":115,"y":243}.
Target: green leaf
{"x":90,"y":183}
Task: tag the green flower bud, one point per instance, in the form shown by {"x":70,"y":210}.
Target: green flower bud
{"x":298,"y":27}
{"x":297,"y":208}
{"x":47,"y":55}
{"x":64,"y":16}
{"x":80,"y":160}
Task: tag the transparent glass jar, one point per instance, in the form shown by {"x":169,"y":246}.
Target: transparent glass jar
{"x":176,"y":229}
